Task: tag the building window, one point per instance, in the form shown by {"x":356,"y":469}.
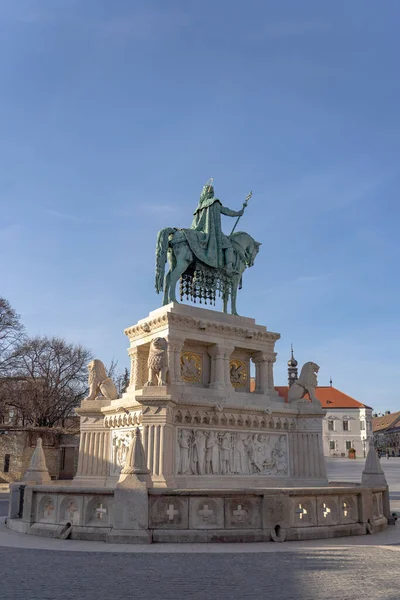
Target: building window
{"x":332,"y":445}
{"x":345,"y":426}
{"x":331,"y":426}
{"x":348,"y":445}
{"x":7,"y":463}
{"x":362,"y":425}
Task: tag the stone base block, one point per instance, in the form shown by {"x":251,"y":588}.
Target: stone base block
{"x":124,"y":536}
{"x":299,"y":534}
{"x":192,"y":536}
{"x":17,"y":525}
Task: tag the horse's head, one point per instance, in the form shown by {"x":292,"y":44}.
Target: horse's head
{"x":251,"y":252}
{"x":249,"y":246}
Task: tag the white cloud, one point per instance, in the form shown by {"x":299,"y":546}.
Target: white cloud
{"x":63,"y":216}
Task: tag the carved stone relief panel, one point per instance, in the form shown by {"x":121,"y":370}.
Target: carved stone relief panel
{"x":46,"y":508}
{"x":377,"y":504}
{"x":191,"y":367}
{"x":169,"y":512}
{"x":97,"y":511}
{"x":206,"y":513}
{"x":304,"y":511}
{"x":327,"y":510}
{"x":348,"y":508}
{"x":212,"y":452}
{"x":120,"y":441}
{"x":70,"y":510}
{"x":243,"y":512}
{"x":238,"y":371}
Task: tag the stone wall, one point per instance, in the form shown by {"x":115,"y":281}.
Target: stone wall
{"x":250,"y":515}
{"x":17,"y":446}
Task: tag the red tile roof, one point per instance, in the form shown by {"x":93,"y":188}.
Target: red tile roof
{"x":387,"y":422}
{"x":329,"y":396}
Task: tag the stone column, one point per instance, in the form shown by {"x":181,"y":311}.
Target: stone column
{"x":138,"y":367}
{"x":220,"y":376}
{"x":174,"y":361}
{"x":261,"y":361}
{"x":271,"y":361}
{"x":159,"y":444}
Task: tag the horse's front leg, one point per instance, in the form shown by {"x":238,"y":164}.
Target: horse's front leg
{"x":235,"y":284}
{"x":183,"y":258}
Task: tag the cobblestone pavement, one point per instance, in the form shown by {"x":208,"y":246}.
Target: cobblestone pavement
{"x":345,"y":574}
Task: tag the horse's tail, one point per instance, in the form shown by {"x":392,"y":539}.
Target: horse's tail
{"x":161,"y":256}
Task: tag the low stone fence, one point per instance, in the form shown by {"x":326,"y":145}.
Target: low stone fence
{"x":203,"y":515}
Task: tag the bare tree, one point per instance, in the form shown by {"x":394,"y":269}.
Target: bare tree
{"x":122,"y":382}
{"x":11,"y":335}
{"x":49,"y":381}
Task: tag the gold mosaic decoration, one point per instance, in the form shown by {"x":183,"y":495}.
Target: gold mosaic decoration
{"x":238,"y":373}
{"x":191,"y":367}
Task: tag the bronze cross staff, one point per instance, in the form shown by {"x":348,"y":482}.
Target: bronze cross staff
{"x":246,"y":200}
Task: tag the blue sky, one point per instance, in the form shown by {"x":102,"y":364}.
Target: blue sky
{"x":114,"y":114}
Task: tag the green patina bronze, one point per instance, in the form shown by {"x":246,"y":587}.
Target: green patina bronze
{"x":205,"y":260}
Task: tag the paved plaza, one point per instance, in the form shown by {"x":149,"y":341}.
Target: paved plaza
{"x":346,"y":568}
{"x":348,"y":574}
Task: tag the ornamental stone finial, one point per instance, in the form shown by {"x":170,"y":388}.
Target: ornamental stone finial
{"x":135,"y":465}
{"x":37,"y":471}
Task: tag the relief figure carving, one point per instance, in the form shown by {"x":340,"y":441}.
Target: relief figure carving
{"x":212,"y":452}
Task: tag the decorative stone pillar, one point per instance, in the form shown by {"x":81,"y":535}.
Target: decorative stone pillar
{"x":220,"y":376}
{"x":138,"y":367}
{"x":174,"y":361}
{"x":261,"y":361}
{"x":93,"y":462}
{"x":271,"y":361}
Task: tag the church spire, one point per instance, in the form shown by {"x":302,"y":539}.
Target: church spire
{"x":292,"y":368}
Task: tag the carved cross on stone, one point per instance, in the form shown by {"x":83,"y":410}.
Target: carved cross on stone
{"x":171,"y":512}
{"x":325,"y":510}
{"x":301,"y":511}
{"x":239,"y":513}
{"x":345,"y":509}
{"x":100,"y":511}
{"x":71,"y":509}
{"x":48,"y":509}
{"x":205,"y":512}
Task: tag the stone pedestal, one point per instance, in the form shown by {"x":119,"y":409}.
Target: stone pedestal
{"x":205,"y":428}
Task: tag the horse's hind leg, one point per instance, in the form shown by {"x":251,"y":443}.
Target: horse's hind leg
{"x":166,"y":288}
{"x":167,"y":281}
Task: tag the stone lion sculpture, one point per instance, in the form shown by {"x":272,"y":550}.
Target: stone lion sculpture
{"x":305,"y":384}
{"x":157,"y":362}
{"x":99,"y":383}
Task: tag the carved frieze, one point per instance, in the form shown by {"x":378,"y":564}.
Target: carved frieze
{"x":234,"y":420}
{"x":213,"y":452}
{"x":123,"y":419}
{"x":190,"y":323}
